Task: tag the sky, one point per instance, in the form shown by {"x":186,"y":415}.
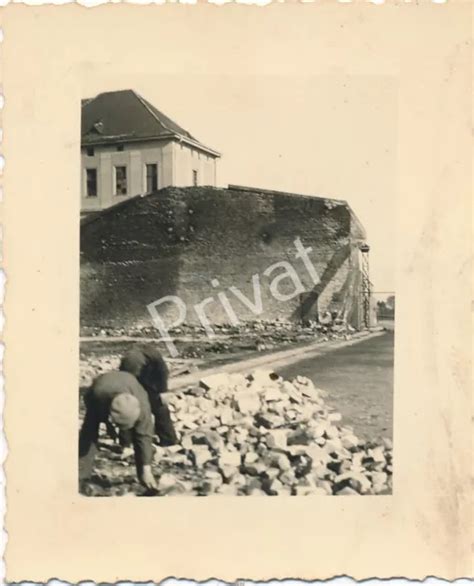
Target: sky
{"x":326,"y":135}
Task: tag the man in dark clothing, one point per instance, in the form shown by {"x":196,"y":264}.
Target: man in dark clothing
{"x":148,"y":366}
{"x":119,"y":397}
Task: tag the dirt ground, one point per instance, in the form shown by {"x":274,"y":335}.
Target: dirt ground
{"x":359,"y":382}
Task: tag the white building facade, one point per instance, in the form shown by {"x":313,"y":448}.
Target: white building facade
{"x":136,"y":151}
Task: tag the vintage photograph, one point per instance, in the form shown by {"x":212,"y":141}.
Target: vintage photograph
{"x":245,"y":232}
{"x":237,"y":293}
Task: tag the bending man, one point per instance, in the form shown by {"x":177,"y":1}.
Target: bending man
{"x":118,"y":397}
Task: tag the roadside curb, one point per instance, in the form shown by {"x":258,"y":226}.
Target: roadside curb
{"x":275,"y":360}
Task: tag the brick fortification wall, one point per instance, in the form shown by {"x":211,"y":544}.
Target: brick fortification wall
{"x":174,"y":242}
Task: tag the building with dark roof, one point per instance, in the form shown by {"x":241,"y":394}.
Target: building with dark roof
{"x":129,"y":148}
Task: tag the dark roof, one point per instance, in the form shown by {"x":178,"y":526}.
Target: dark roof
{"x":124,"y":115}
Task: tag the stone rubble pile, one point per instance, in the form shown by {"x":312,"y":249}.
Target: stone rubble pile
{"x":262,"y":435}
{"x":92,"y":366}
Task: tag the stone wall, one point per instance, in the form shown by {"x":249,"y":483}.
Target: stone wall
{"x":176,"y":241}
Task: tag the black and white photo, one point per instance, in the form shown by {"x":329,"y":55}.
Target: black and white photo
{"x":235,"y":338}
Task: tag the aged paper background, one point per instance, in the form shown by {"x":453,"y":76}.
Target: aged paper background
{"x":425,"y":527}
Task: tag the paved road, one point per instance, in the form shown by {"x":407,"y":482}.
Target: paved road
{"x":359,"y":380}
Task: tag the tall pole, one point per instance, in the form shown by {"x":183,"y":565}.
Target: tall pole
{"x":366,"y":286}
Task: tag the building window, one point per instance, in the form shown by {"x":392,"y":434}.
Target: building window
{"x":195,"y":177}
{"x":151,"y":177}
{"x":91,"y":179}
{"x":121,"y":180}
{"x":90,"y":151}
{"x":120,"y":147}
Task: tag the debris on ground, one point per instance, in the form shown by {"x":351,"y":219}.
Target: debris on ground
{"x":102,"y":351}
{"x":278,"y":328}
{"x":257,"y":335}
{"x":255,"y":435}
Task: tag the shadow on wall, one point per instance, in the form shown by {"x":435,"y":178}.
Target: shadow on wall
{"x":309,"y":304}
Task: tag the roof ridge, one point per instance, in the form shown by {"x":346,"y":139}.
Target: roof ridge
{"x":145,"y":104}
{"x":145,"y":121}
{"x":85,"y":101}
